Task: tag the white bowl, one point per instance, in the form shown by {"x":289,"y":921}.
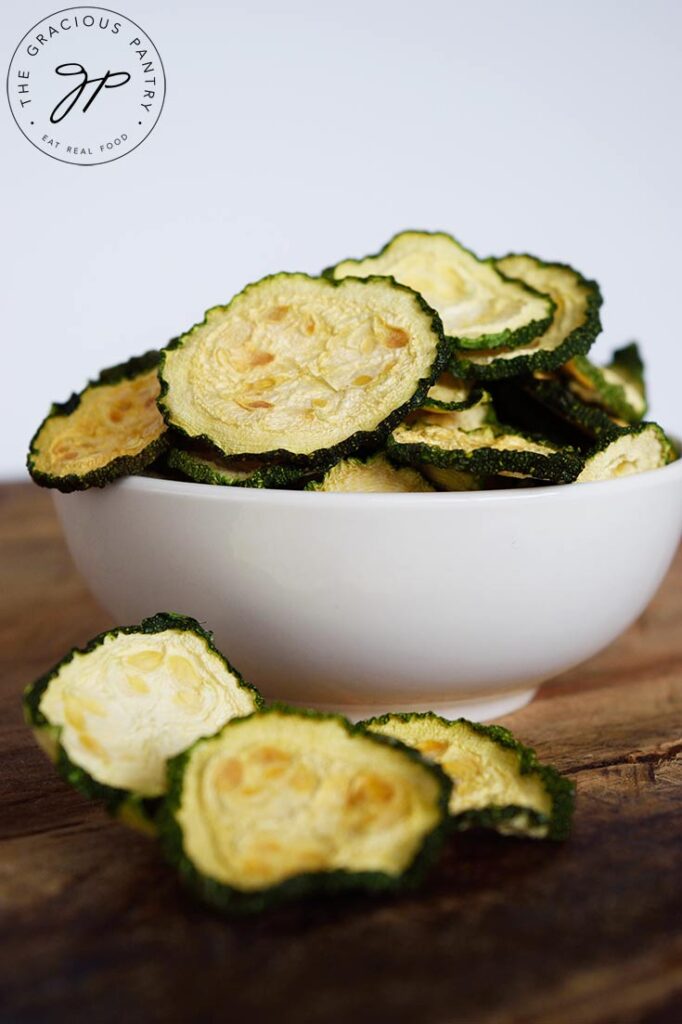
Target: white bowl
{"x":363,"y":603}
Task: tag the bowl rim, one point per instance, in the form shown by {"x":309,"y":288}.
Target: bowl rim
{"x":279,"y":496}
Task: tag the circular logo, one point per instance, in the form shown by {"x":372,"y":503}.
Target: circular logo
{"x":86,"y":85}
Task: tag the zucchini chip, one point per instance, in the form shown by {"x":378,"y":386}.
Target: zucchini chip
{"x":205,"y":467}
{"x":112,"y":428}
{"x":285,"y":803}
{"x":372,"y":475}
{"x":618,"y":388}
{"x":486,"y":450}
{"x":450,"y":394}
{"x":497,"y":782}
{"x":302,"y":369}
{"x":575,"y":325}
{"x":634,"y":450}
{"x":559,"y":400}
{"x":477,"y":412}
{"x":452,"y":479}
{"x":111,"y":713}
{"x":480,"y":308}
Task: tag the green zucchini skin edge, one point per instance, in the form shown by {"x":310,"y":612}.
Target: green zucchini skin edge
{"x":629,"y":359}
{"x":502,"y":339}
{"x":350,"y":444}
{"x":115,"y":800}
{"x":560,"y":401}
{"x":560,"y":789}
{"x":234,"y":901}
{"x":562,"y":466}
{"x":123,"y":465}
{"x":474,"y":398}
{"x":272,"y":475}
{"x":609,"y":397}
{"x":578,"y":342}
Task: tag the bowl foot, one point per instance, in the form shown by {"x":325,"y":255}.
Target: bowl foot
{"x":478,"y":709}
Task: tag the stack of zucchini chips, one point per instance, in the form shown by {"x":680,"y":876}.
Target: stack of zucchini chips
{"x":421,"y":368}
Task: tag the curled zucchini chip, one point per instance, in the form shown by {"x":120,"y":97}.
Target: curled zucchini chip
{"x":477,"y":412}
{"x":479,"y":307}
{"x":450,"y":394}
{"x":559,"y":400}
{"x":111,"y":429}
{"x":111,"y":714}
{"x":575,"y":325}
{"x":375,"y":474}
{"x":486,"y":450}
{"x":618,"y":388}
{"x":285,"y":803}
{"x":302,"y":369}
{"x":497,"y":782}
{"x":205,"y":467}
{"x":634,"y":450}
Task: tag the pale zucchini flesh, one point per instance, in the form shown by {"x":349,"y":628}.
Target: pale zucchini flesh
{"x":112,"y":713}
{"x":301,"y":369}
{"x":635,"y":450}
{"x":286,"y":802}
{"x":478,"y":306}
{"x":574,"y":326}
{"x":375,"y":474}
{"x":497,"y":782}
{"x":112,"y":428}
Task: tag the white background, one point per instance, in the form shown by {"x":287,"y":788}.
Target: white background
{"x":297,"y":133}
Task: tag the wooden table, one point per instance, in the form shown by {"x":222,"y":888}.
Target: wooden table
{"x":95,"y":927}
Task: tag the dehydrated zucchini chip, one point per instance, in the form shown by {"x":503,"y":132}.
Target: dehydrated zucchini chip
{"x":575,"y":325}
{"x":497,"y":782}
{"x":285,"y":803}
{"x":302,"y":369}
{"x":560,"y":400}
{"x":634,"y":450}
{"x":618,"y":388}
{"x":480,"y":308}
{"x":111,"y":429}
{"x":450,"y":394}
{"x":452,"y":479}
{"x":205,"y":467}
{"x":111,"y":713}
{"x":485,"y":450}
{"x":372,"y":475}
{"x":477,"y":412}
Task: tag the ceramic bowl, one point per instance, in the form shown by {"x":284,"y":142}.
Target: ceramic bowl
{"x":363,"y":603}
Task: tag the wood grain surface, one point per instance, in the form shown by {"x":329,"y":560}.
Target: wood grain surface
{"x":95,"y":927}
